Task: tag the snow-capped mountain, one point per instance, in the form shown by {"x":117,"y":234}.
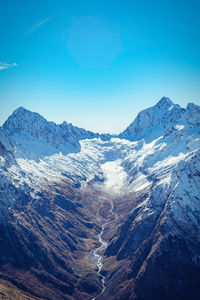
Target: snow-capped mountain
{"x":151,"y":123}
{"x":64,"y":191}
{"x":34,"y":136}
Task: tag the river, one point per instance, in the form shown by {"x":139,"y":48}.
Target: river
{"x":95,"y":255}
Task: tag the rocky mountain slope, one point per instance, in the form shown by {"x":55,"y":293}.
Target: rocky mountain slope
{"x":153,"y":122}
{"x":35,"y":137}
{"x":62,"y":186}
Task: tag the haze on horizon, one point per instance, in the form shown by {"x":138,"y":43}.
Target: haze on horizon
{"x":96,"y":64}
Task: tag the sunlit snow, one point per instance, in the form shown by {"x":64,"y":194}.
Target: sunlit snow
{"x":115,"y":176}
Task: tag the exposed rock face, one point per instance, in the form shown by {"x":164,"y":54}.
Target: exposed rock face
{"x":56,"y":188}
{"x":35,"y":136}
{"x":157,"y":245}
{"x":42,"y":240}
{"x":152,"y":122}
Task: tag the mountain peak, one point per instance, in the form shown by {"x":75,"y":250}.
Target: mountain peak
{"x":164,"y":102}
{"x":23,"y":120}
{"x":20,"y":109}
{"x":192,"y":106}
{"x":152,"y":122}
{"x":40,"y":137}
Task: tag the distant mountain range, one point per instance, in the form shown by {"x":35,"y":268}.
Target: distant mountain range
{"x":94,"y":216}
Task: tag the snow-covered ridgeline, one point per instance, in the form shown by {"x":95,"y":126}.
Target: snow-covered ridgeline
{"x":153,"y":122}
{"x":116,"y":165}
{"x":154,"y":179}
{"x":34,"y":137}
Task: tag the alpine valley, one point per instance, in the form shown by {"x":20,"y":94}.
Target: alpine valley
{"x":94,"y":216}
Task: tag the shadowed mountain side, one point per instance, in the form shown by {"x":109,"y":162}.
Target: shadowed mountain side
{"x":34,"y":137}
{"x":153,"y":122}
{"x":44,"y":242}
{"x":11,"y":292}
{"x":155,"y":253}
{"x":114,"y":219}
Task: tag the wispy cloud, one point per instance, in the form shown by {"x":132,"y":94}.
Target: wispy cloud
{"x":4,"y":65}
{"x":37,"y":26}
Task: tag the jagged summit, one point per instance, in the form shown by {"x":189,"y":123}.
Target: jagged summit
{"x":19,"y":109}
{"x":21,"y":115}
{"x":36,"y":136}
{"x":149,"y":120}
{"x":153,"y":122}
{"x":193,"y":107}
{"x":164,"y":102}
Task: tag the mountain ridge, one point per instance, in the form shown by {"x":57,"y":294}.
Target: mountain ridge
{"x":141,"y":196}
{"x":154,"y":121}
{"x":24,"y":125}
{"x":164,"y":114}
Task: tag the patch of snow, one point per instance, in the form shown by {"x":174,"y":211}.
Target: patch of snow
{"x":2,"y":161}
{"x":115,"y":176}
{"x":141,"y":182}
{"x":179,"y":127}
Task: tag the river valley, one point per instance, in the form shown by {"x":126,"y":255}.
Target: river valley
{"x":96,"y":254}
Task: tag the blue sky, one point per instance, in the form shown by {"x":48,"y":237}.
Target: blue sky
{"x":97,"y":63}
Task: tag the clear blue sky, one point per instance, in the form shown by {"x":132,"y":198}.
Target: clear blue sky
{"x":97,"y":63}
